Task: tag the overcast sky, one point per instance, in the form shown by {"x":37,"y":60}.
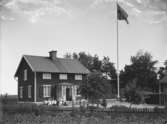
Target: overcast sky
{"x":35,"y":27}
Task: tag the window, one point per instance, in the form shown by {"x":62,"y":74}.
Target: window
{"x":78,"y":91}
{"x":25,"y":74}
{"x":46,"y":76}
{"x":21,"y":92}
{"x":46,"y":90}
{"x":63,"y":76}
{"x":29,"y":91}
{"x":78,"y":77}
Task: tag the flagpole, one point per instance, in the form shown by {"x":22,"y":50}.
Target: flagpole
{"x":117,"y":39}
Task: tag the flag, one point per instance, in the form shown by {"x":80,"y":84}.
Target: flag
{"x":122,"y":14}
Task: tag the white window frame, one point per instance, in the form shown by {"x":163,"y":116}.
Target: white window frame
{"x":29,"y":91}
{"x":78,"y":77}
{"x":25,"y":74}
{"x":63,"y":76}
{"x":21,"y":92}
{"x":47,"y":76}
{"x":47,"y":90}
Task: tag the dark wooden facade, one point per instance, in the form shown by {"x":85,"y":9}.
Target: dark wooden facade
{"x":30,"y":80}
{"x":54,"y":82}
{"x":35,"y":79}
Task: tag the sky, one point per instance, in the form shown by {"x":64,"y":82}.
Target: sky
{"x":35,"y":27}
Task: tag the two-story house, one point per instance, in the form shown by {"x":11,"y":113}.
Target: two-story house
{"x":40,"y":78}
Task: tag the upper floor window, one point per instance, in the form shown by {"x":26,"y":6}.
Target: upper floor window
{"x":47,"y":90}
{"x":21,"y":92}
{"x":25,"y":74}
{"x":78,"y":77}
{"x":63,"y":76}
{"x":46,"y":76}
{"x":29,"y":91}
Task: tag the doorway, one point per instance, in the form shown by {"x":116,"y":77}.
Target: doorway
{"x":68,"y":94}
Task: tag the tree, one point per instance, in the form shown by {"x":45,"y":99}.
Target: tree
{"x":109,"y":70}
{"x":97,"y":68}
{"x":162,"y":70}
{"x":85,"y":59}
{"x":95,"y":88}
{"x":142,"y":69}
{"x":68,"y":56}
{"x":133,"y":93}
{"x":75,"y":55}
{"x":96,"y":63}
{"x":165,"y":63}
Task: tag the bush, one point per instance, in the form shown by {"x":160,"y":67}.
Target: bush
{"x":119,"y":108}
{"x":24,"y":108}
{"x":104,"y":103}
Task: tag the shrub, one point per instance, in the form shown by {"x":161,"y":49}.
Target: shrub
{"x":104,"y":103}
{"x":119,"y":108}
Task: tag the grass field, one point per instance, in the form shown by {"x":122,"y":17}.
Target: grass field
{"x":14,"y":113}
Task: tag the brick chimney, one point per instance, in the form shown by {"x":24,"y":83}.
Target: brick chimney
{"x":53,"y":55}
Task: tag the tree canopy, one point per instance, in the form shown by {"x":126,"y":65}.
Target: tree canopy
{"x":102,"y":79}
{"x":142,"y":70}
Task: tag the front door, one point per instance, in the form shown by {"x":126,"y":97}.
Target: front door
{"x":68,"y":94}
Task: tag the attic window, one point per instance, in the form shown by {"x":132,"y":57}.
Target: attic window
{"x":46,"y":76}
{"x":63,"y":76}
{"x":78,"y":77}
{"x":25,"y":74}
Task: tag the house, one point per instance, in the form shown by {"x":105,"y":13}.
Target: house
{"x":41,"y":78}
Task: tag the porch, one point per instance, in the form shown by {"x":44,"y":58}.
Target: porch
{"x":66,"y":92}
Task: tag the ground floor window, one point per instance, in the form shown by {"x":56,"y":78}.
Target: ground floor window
{"x":29,"y":91}
{"x":77,"y":90}
{"x":46,"y":90}
{"x":21,"y":92}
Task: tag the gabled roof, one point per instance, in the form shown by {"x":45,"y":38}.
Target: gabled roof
{"x":60,"y":65}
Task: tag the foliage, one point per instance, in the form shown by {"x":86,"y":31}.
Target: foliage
{"x":133,"y":93}
{"x":162,"y":71}
{"x":95,"y":88}
{"x":104,"y":103}
{"x":8,"y":99}
{"x":102,"y":68}
{"x":142,"y":70}
{"x":94,"y":118}
{"x":24,"y":108}
{"x":108,"y":68}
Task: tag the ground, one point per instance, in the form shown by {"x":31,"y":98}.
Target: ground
{"x":14,"y":113}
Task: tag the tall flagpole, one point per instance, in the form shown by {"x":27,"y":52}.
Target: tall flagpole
{"x":117,"y":38}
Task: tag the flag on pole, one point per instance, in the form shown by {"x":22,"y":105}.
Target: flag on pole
{"x":122,"y":14}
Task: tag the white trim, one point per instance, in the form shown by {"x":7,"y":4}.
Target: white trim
{"x":46,"y":76}
{"x":25,"y":74}
{"x":29,"y":91}
{"x":63,"y":76}
{"x":35,"y":87}
{"x":47,"y":90}
{"x":21,"y":92}
{"x":23,"y":56}
{"x":28,"y":63}
{"x":78,"y":77}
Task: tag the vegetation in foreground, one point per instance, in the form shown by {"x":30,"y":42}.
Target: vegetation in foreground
{"x":84,"y":118}
{"x":44,"y":114}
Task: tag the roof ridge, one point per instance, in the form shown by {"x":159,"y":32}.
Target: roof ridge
{"x":45,"y":64}
{"x":48,"y":57}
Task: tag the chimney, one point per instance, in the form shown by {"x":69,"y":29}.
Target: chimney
{"x":53,"y":55}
